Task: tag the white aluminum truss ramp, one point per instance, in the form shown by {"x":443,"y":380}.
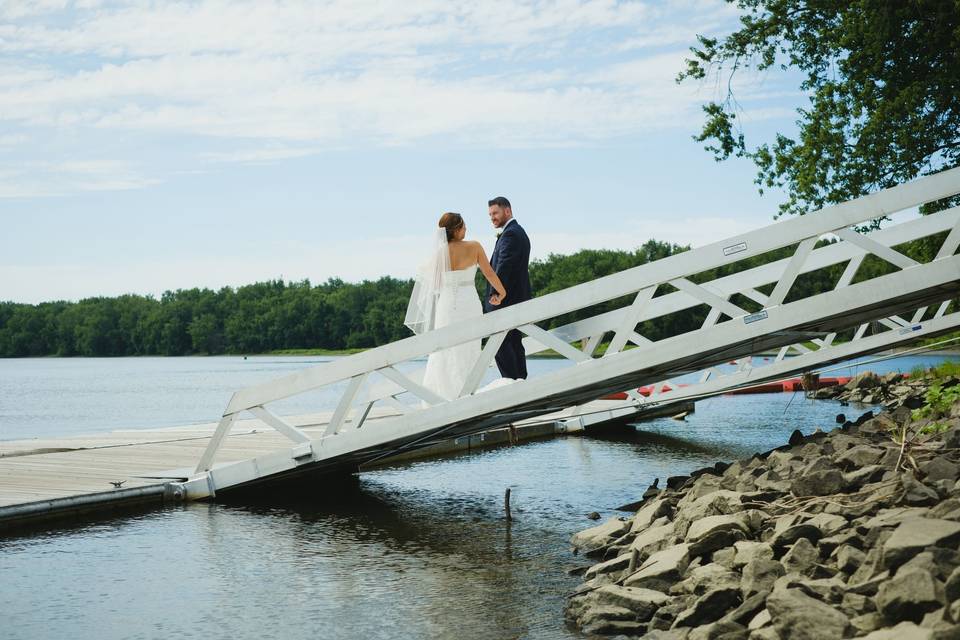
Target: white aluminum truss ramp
{"x":732,"y":329}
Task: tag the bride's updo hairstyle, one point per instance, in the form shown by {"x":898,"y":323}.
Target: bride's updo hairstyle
{"x":452,"y":222}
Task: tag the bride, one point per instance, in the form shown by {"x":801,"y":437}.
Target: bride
{"x":443,"y":293}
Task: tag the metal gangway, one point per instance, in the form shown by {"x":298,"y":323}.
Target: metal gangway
{"x":908,"y":304}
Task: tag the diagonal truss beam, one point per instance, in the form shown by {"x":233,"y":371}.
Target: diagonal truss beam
{"x":673,"y":268}
{"x":877,"y":300}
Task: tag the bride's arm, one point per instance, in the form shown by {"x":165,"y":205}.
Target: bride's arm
{"x":491,"y":276}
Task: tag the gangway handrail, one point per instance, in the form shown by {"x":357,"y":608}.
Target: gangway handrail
{"x":681,"y":265}
{"x":760,"y":275}
{"x":642,"y":283}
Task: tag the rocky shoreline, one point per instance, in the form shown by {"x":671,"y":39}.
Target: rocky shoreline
{"x":851,"y":533}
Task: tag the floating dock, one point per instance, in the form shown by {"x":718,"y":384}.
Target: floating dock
{"x":61,"y":477}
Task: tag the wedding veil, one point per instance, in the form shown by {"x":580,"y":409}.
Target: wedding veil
{"x":421,"y":311}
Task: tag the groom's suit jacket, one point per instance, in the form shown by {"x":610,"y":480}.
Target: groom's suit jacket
{"x":511,"y":261}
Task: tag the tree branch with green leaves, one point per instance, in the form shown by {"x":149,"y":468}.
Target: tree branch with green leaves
{"x":883,"y":82}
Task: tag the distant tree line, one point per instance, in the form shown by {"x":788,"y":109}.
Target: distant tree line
{"x":278,"y":315}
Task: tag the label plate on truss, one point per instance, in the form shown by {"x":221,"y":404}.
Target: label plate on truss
{"x":753,"y":317}
{"x":910,"y":329}
{"x":734,"y":248}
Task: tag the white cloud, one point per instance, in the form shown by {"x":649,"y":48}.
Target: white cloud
{"x":304,"y":75}
{"x":12,"y":140}
{"x":260,"y":156}
{"x":15,"y":9}
{"x":44,"y":179}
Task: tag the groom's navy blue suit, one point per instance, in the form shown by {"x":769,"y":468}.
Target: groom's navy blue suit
{"x":511,"y":260}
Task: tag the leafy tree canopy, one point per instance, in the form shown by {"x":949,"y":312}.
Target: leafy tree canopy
{"x":883,"y":78}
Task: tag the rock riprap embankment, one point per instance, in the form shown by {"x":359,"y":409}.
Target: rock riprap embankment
{"x":893,"y":390}
{"x":852,"y":533}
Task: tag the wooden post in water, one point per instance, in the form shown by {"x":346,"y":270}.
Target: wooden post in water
{"x":506,"y":504}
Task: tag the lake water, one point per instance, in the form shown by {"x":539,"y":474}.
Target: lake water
{"x":419,"y":550}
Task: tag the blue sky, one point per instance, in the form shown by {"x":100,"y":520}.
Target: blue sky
{"x":147,"y":146}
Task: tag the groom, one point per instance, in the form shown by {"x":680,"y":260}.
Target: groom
{"x":510,"y":259}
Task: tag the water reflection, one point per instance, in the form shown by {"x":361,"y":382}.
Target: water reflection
{"x":412,"y":551}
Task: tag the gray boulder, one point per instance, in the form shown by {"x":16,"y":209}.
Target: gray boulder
{"x":748,"y":609}
{"x":596,"y":538}
{"x":938,"y":619}
{"x":914,"y":534}
{"x":923,"y":561}
{"x":903,"y":631}
{"x":785,"y":538}
{"x":952,"y":588}
{"x":801,"y":557}
{"x":869,"y":586}
{"x":953,"y":611}
{"x":649,"y":513}
{"x":866,"y":623}
{"x":703,"y":527}
{"x":747,"y":550}
{"x":829,"y":590}
{"x":709,"y":576}
{"x":664,"y":634}
{"x":829,"y":545}
{"x":910,"y":595}
{"x":692,"y":508}
{"x":951,"y":439}
{"x":917,"y":494}
{"x":614,"y":565}
{"x":869,"y":568}
{"x":665,"y":615}
{"x":772,"y":480}
{"x":602,"y":613}
{"x":606,"y":627}
{"x":759,"y":575}
{"x":653,"y":539}
{"x":854,"y":604}
{"x":724,"y":557}
{"x":893,"y":517}
{"x":709,"y":607}
{"x":865,"y":380}
{"x":939,"y":468}
{"x":797,"y":616}
{"x":828,"y":523}
{"x":760,"y":620}
{"x":859,"y":456}
{"x":642,"y":602}
{"x":818,"y":483}
{"x":721,"y":630}
{"x":715,"y":532}
{"x":864,"y":475}
{"x":849,"y":558}
{"x":945,"y":508}
{"x":661,"y":569}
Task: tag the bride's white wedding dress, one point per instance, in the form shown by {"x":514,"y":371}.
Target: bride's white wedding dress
{"x":447,"y":370}
{"x":440,"y":297}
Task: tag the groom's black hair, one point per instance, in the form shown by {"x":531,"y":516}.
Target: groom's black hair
{"x":501,"y":202}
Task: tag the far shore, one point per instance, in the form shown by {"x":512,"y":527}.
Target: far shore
{"x":546,"y":355}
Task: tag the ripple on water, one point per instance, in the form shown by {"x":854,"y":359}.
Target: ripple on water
{"x":418,"y":550}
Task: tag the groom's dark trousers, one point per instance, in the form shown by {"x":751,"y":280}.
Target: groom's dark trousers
{"x":511,"y":261}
